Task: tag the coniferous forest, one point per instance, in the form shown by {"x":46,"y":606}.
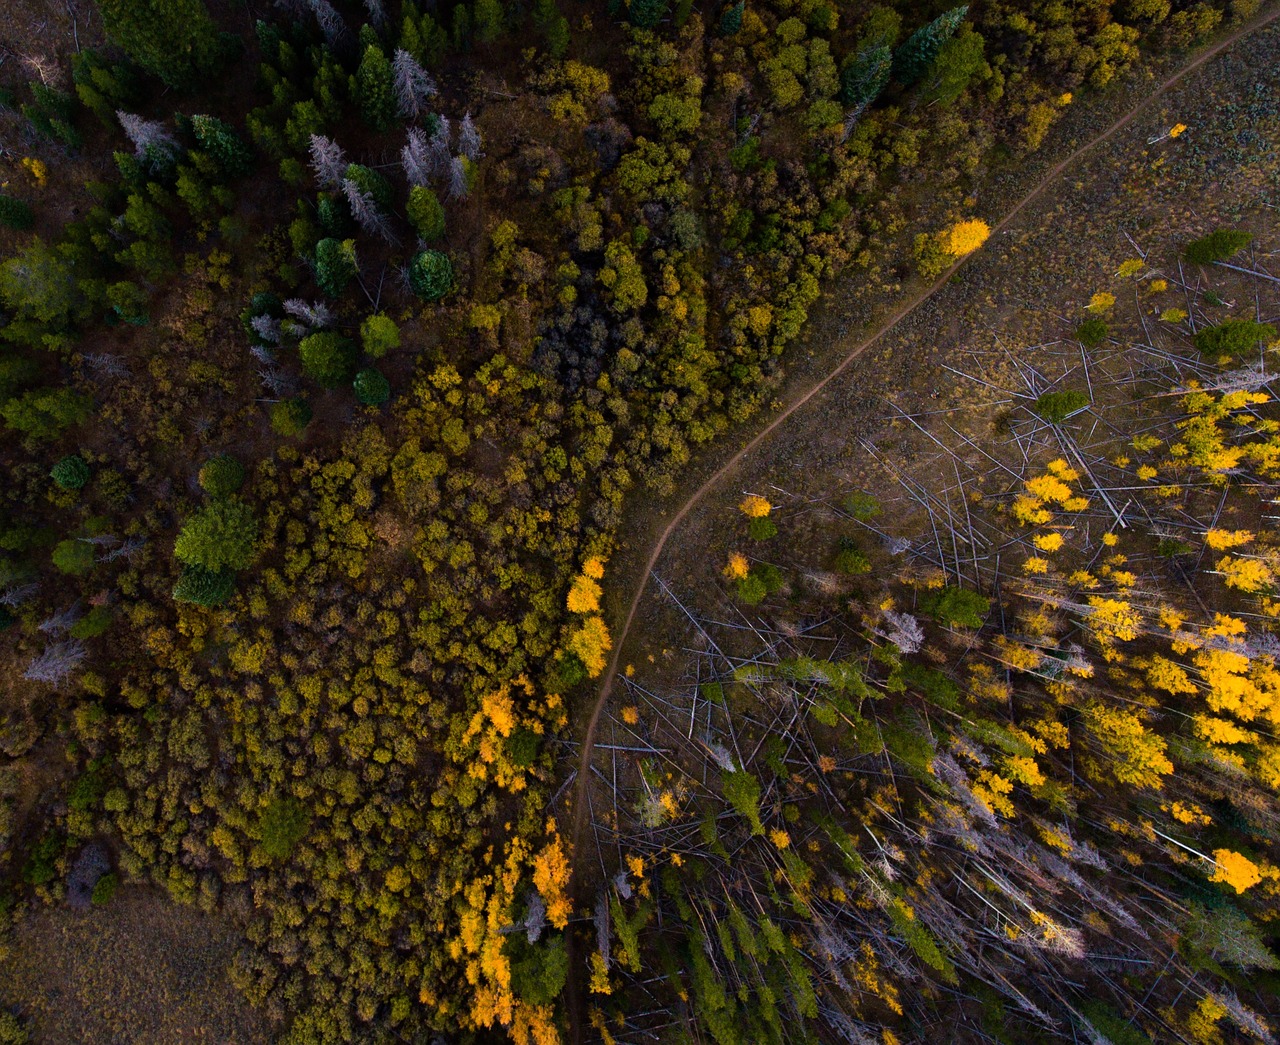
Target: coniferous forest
{"x":639,"y":521}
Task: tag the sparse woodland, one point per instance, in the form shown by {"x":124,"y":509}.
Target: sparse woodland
{"x":335,"y":338}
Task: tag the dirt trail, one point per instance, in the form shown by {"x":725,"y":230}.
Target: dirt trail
{"x":886,"y":325}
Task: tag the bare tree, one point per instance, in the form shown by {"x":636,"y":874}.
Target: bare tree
{"x":105,"y":365}
{"x":316,"y":316}
{"x":57,"y":662}
{"x":416,"y":158}
{"x":60,"y":622}
{"x":367,"y":212}
{"x":377,"y":13}
{"x":469,"y":139}
{"x":414,"y":85}
{"x":458,"y":187}
{"x":440,"y":150}
{"x":16,"y":596}
{"x":267,"y":328}
{"x":128,"y":549}
{"x":151,"y":142}
{"x":327,"y":160}
{"x":330,"y":22}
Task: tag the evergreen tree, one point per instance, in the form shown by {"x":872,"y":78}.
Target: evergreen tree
{"x":913,"y":59}
{"x":488,"y":20}
{"x":15,"y":214}
{"x":205,"y":587}
{"x":373,"y":87}
{"x":226,"y":148}
{"x":864,"y":76}
{"x":430,"y":275}
{"x":328,"y":358}
{"x":221,"y":476}
{"x":426,"y":213}
{"x":175,"y":40}
{"x":646,"y":14}
{"x":335,"y":265}
{"x":219,"y":536}
{"x":554,"y":27}
{"x":71,"y":473}
{"x":731,"y":20}
{"x":372,"y":388}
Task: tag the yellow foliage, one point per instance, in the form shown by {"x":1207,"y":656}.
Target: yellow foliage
{"x":593,"y":568}
{"x":1130,"y":268}
{"x":599,"y":975}
{"x":965,"y":237}
{"x":1101,"y":302}
{"x":1113,"y":619}
{"x":737,"y":567}
{"x":1251,"y":575}
{"x":38,"y":170}
{"x":1048,"y":542}
{"x":779,"y":838}
{"x":1036,"y":565}
{"x":551,"y":878}
{"x":755,"y":507}
{"x":631,"y":715}
{"x":590,"y":643}
{"x":1177,"y":129}
{"x":584,"y":595}
{"x":1235,"y":869}
{"x":1164,"y":674}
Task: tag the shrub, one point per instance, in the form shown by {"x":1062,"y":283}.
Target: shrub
{"x":430,"y":275}
{"x":221,"y":476}
{"x":104,"y":889}
{"x":372,"y":389}
{"x":762,"y":580}
{"x":956,"y":606}
{"x":204,"y":587}
{"x":290,"y":417}
{"x":1092,"y":332}
{"x":15,"y":214}
{"x":850,"y":560}
{"x":219,"y":536}
{"x":328,"y":358}
{"x":1056,"y":407}
{"x":74,"y":556}
{"x":762,"y":529}
{"x":1217,"y":246}
{"x":379,"y":335}
{"x":1233,"y":337}
{"x":425,"y":213}
{"x":71,"y":473}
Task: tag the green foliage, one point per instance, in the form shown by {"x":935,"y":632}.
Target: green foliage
{"x":912,"y":60}
{"x":646,"y":14}
{"x":92,"y":624}
{"x":290,"y":417}
{"x":1217,"y":246}
{"x":283,"y":823}
{"x":538,"y":970}
{"x":762,"y":528}
{"x":205,"y":587}
{"x":370,"y":183}
{"x":226,"y":148}
{"x":1092,"y":332}
{"x":40,"y":291}
{"x":1233,"y":337}
{"x":430,"y":275}
{"x":104,"y":889}
{"x":41,"y":866}
{"x":328,"y":358}
{"x":74,"y":557}
{"x":44,"y":414}
{"x":219,"y":536}
{"x":864,"y":75}
{"x":12,"y":1031}
{"x":175,"y":40}
{"x":50,"y":114}
{"x":71,"y":472}
{"x":959,"y":61}
{"x":761,"y":581}
{"x":379,"y":335}
{"x":1056,"y":407}
{"x":372,"y":388}
{"x":850,"y":560}
{"x":425,"y":213}
{"x":15,"y":213}
{"x":1111,"y":1025}
{"x":103,"y":87}
{"x":956,"y":607}
{"x":742,"y":791}
{"x":129,"y":302}
{"x":221,"y":476}
{"x":731,"y":20}
{"x":487,"y":20}
{"x":373,"y":88}
{"x":335,"y":265}
{"x":553,"y":26}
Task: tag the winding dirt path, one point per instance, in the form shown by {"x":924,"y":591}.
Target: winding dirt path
{"x":886,"y":325}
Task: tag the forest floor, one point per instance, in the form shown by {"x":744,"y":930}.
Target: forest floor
{"x":137,"y":970}
{"x":1041,"y":246}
